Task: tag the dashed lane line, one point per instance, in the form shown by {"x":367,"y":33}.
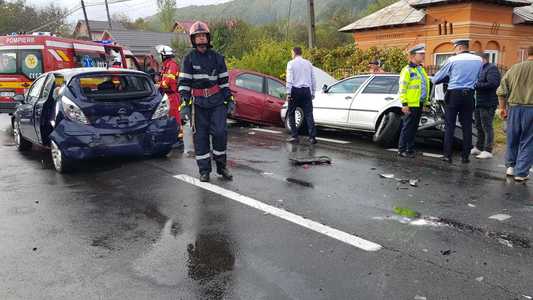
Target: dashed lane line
{"x":285,"y":215}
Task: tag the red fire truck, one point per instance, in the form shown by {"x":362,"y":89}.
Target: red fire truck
{"x":24,"y":57}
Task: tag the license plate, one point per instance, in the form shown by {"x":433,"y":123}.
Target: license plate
{"x":7,"y":94}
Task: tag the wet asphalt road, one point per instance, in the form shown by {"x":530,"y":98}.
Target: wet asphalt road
{"x":127,"y":229}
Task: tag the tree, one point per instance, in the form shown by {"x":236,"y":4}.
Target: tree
{"x":167,"y":14}
{"x":16,"y":16}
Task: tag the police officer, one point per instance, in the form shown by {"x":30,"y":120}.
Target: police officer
{"x":462,"y":71}
{"x":207,"y":100}
{"x":169,"y":80}
{"x":414,"y":95}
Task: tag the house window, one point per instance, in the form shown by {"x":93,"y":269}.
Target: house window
{"x":441,"y":58}
{"x":493,"y":56}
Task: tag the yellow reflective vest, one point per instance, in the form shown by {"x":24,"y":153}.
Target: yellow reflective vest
{"x":411,"y":86}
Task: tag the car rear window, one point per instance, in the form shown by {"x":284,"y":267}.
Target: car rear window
{"x":114,"y":86}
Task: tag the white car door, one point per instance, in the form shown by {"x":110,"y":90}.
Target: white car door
{"x":378,"y":93}
{"x":333,"y":106}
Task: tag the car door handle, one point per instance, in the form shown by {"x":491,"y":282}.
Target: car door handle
{"x":348,"y":98}
{"x":389,"y":98}
{"x":270,"y":101}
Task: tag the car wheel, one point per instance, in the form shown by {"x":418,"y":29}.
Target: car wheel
{"x":388,"y":130}
{"x":61,"y":164}
{"x":298,"y":120}
{"x":21,"y":143}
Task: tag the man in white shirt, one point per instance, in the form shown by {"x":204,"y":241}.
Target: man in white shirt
{"x":301,"y":86}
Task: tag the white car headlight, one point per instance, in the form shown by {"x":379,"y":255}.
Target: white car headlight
{"x":162,"y":110}
{"x":72,"y":111}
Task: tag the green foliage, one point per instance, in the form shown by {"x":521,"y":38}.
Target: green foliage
{"x":259,"y":12}
{"x":17,"y":16}
{"x":167,"y":14}
{"x":377,"y":5}
{"x":351,"y":60}
{"x":233,"y":38}
{"x":269,"y":57}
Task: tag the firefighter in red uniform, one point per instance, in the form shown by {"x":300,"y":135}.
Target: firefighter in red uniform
{"x":169,"y":81}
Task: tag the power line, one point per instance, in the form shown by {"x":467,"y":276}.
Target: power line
{"x":74,"y":10}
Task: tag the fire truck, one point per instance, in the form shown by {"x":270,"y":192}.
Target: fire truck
{"x":23,"y":58}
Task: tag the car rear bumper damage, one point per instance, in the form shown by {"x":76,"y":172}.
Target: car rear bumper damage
{"x":85,"y":142}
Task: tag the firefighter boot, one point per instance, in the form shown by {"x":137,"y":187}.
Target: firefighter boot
{"x":225,"y":173}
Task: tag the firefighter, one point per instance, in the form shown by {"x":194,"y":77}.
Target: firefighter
{"x":207,"y":100}
{"x":169,"y":81}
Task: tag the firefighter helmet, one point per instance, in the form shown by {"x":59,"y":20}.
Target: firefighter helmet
{"x":165,"y":51}
{"x":197,"y":28}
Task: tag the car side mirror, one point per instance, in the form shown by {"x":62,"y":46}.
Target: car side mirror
{"x":325,"y":88}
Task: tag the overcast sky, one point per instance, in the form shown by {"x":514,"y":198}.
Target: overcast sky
{"x":133,"y":8}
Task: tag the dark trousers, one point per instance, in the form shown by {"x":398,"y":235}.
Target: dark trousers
{"x":484,"y":117}
{"x":459,"y":103}
{"x":519,"y":154}
{"x":210,"y":126}
{"x":301,"y":97}
{"x":409,"y":128}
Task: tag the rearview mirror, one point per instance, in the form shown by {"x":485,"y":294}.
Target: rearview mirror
{"x":325,"y":88}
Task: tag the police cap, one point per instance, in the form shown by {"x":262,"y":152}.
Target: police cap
{"x":420,"y":48}
{"x":461,"y":42}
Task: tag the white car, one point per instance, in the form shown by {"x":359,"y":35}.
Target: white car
{"x":367,"y":103}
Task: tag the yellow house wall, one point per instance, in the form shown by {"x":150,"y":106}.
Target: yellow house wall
{"x":489,"y":26}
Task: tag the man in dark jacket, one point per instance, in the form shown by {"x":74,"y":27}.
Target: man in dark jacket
{"x":486,"y":103}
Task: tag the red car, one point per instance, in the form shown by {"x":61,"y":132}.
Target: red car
{"x":258,"y":97}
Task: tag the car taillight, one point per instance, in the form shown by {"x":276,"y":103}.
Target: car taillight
{"x":162,"y":110}
{"x":72,"y":111}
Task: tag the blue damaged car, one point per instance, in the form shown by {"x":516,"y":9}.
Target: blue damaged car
{"x":87,"y":113}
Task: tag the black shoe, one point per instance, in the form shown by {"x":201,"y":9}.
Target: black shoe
{"x":465,"y":160}
{"x":446,"y":159}
{"x":204,"y":177}
{"x":293,"y":140}
{"x":312,"y":141}
{"x":225,"y":173}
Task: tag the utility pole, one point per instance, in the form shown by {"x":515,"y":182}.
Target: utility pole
{"x":289,"y":21}
{"x":108,"y":17}
{"x":86,"y":20}
{"x":311,"y":24}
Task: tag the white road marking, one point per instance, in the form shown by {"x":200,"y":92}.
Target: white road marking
{"x":267,"y":130}
{"x":332,"y":141}
{"x":283,"y":214}
{"x":432,"y":155}
{"x":392,"y":150}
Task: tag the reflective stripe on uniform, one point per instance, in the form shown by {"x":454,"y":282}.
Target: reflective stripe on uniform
{"x":205,"y":156}
{"x":184,"y":88}
{"x":219,"y":153}
{"x":224,"y":85}
{"x":168,"y":75}
{"x":185,"y":75}
{"x":204,"y":76}
{"x":223,"y":75}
